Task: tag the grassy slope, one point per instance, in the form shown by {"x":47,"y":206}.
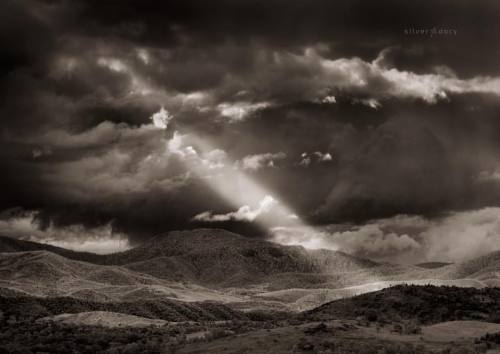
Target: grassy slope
{"x":44,"y":273}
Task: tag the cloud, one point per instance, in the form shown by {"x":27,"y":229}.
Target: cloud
{"x":356,"y":76}
{"x":25,"y":225}
{"x":238,"y":111}
{"x":370,"y":102}
{"x":463,"y":235}
{"x":367,"y":241}
{"x":408,"y":129}
{"x":40,"y":152}
{"x":258,"y":161}
{"x":306,"y":158}
{"x":215,"y":159}
{"x":322,"y":157}
{"x":112,"y":64}
{"x":244,"y":213}
{"x":329,"y":99}
{"x":488,"y":176}
{"x":200,"y":163}
{"x":161,"y":118}
{"x":456,"y":237}
{"x":177,"y":146}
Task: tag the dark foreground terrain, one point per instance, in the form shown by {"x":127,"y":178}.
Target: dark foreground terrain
{"x":400,"y":319}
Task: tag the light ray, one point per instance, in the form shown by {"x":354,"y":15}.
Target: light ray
{"x":240,"y":191}
{"x":233,"y":185}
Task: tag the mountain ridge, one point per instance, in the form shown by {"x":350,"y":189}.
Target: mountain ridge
{"x":218,"y":265}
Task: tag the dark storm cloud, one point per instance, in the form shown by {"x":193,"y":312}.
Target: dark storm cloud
{"x":355,"y":27}
{"x":402,"y":158}
{"x":409,"y":129}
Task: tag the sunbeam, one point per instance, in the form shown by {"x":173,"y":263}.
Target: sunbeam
{"x":249,"y":199}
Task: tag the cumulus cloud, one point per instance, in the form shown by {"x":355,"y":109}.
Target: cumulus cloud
{"x":161,"y":118}
{"x":408,"y":239}
{"x":258,"y":161}
{"x":403,"y":124}
{"x":370,"y":102}
{"x":375,"y":78}
{"x":306,"y":158}
{"x":322,"y":157}
{"x":176,"y":145}
{"x":238,"y":111}
{"x":214,"y":159}
{"x":463,"y":235}
{"x":244,"y":213}
{"x":112,"y":64}
{"x":368,"y":82}
{"x":368,"y":241}
{"x":25,"y":225}
{"x":329,"y":99}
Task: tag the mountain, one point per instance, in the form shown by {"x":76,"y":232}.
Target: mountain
{"x":212,"y":257}
{"x":221,"y":258}
{"x":217,"y":265}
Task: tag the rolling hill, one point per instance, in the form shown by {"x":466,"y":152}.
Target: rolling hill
{"x":427,"y":304}
{"x":162,"y":309}
{"x":210,"y":257}
{"x":8,"y":244}
{"x":217,"y":265}
{"x":42,"y":273}
{"x":485,"y":268}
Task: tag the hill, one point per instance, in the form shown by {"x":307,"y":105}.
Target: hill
{"x":8,"y":244}
{"x":214,"y":264}
{"x":43,"y":273}
{"x":214,"y":258}
{"x":167,"y":310}
{"x":485,"y":268}
{"x":426,"y":304}
{"x":104,"y":319}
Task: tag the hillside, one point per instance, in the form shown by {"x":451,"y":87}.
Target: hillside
{"x":167,"y":310}
{"x":485,"y":268}
{"x":8,"y":244}
{"x":427,"y":304}
{"x":402,"y":319}
{"x":213,"y":258}
{"x":104,"y":319}
{"x":217,"y":265}
{"x":220,"y":258}
{"x":42,"y":273}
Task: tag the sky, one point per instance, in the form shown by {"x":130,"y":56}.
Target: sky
{"x":370,"y":127}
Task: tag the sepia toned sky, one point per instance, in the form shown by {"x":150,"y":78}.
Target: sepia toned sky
{"x":371,"y":127}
